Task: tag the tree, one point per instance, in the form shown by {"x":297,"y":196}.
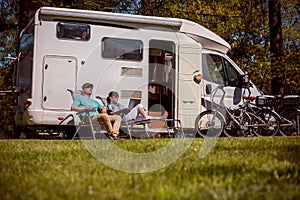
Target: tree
{"x":6,"y":102}
{"x":276,"y":40}
{"x":276,"y":43}
{"x":245,"y":25}
{"x":8,"y":46}
{"x":8,"y":33}
{"x":290,"y":14}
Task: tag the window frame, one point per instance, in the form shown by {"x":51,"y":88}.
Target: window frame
{"x":229,"y":81}
{"x":121,"y":53}
{"x":63,"y":30}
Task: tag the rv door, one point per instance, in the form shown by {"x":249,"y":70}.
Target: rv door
{"x":189,"y":92}
{"x":59,"y":74}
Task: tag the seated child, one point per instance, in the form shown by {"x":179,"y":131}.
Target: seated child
{"x":137,"y":113}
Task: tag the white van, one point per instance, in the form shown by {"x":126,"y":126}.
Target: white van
{"x":153,"y":59}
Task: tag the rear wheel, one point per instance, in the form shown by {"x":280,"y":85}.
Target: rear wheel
{"x":265,"y":123}
{"x":289,"y":123}
{"x":237,"y":130}
{"x":209,"y":124}
{"x":67,"y":132}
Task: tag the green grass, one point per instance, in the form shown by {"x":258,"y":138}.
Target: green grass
{"x":236,"y":168}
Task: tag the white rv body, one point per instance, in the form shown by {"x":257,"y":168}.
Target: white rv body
{"x":162,"y":57}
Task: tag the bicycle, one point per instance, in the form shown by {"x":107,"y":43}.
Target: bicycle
{"x":239,"y":122}
{"x":242,"y":128}
{"x":289,"y":115}
{"x":265,"y":110}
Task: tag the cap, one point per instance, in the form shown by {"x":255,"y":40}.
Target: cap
{"x":87,"y":85}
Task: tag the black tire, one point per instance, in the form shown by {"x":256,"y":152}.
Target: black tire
{"x":289,"y":124}
{"x":69,"y":131}
{"x":234,"y":130}
{"x":209,"y":124}
{"x":266,"y":123}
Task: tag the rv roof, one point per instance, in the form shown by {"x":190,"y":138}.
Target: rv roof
{"x":207,"y":38}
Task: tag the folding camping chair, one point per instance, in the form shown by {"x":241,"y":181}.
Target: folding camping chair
{"x":86,"y":128}
{"x":151,"y":125}
{"x":158,"y":127}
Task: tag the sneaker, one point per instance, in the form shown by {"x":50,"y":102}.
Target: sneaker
{"x":112,"y":137}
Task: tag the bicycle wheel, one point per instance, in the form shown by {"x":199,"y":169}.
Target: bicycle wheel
{"x":209,"y":124}
{"x":233,"y":129}
{"x":265,"y":123}
{"x":289,"y":123}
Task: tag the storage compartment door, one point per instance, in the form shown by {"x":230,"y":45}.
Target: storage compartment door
{"x":59,"y":74}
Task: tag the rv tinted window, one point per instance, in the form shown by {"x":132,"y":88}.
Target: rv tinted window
{"x":24,"y":70}
{"x":123,"y":49}
{"x":232,"y":74}
{"x":73,"y":31}
{"x":215,"y":69}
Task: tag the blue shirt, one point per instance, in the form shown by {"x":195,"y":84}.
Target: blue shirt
{"x":115,"y":106}
{"x":82,"y":102}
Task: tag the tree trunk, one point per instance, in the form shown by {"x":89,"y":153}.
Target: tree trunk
{"x":276,"y":43}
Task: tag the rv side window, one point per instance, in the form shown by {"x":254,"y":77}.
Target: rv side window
{"x":24,"y":70}
{"x":232,"y":74}
{"x":122,"y":49}
{"x":73,"y":31}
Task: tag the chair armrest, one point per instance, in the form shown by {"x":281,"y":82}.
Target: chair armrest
{"x":85,"y":111}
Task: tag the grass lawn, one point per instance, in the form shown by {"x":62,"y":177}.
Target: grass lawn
{"x":236,"y":168}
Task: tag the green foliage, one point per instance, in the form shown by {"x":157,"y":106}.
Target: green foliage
{"x":237,"y":168}
{"x":245,"y":25}
{"x":6,"y":117}
{"x":8,"y":30}
{"x":6,"y":103}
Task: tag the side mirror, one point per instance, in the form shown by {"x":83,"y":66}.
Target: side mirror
{"x":243,"y":80}
{"x":208,"y":89}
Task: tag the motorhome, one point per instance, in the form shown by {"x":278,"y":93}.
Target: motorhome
{"x":154,"y":59}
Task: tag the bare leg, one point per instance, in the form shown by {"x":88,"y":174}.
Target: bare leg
{"x":164,"y":116}
{"x":139,"y":110}
{"x":143,"y":113}
{"x":145,"y":116}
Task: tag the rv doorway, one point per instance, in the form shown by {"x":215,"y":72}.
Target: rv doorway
{"x":161,"y":87}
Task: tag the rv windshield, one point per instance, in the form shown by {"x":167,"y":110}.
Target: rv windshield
{"x":219,"y":70}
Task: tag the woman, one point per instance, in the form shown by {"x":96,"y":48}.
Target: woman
{"x":137,"y":113}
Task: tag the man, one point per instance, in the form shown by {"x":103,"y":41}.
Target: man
{"x":84,"y":102}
